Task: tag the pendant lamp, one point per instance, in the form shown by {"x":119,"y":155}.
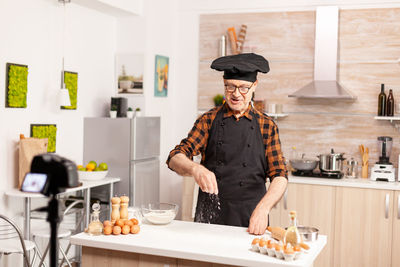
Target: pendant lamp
{"x":64,"y":98}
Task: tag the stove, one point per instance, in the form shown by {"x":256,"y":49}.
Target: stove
{"x":318,"y":174}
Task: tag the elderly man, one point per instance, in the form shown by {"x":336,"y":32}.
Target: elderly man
{"x":240,"y":149}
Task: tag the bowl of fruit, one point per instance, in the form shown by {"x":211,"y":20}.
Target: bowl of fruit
{"x":92,"y":171}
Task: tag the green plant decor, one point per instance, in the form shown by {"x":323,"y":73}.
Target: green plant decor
{"x":71,"y":83}
{"x":45,"y":131}
{"x":137,"y":109}
{"x":124,"y":77}
{"x":17,"y":85}
{"x":130,"y":109}
{"x":218,"y":100}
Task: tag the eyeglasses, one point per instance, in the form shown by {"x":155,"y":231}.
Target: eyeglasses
{"x":242,"y":89}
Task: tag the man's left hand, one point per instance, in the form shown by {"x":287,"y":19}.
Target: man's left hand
{"x":258,"y":221}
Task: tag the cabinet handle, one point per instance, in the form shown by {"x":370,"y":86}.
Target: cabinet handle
{"x":398,"y":207}
{"x":387,"y":206}
{"x":285,"y":200}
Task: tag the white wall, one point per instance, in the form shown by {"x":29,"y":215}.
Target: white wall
{"x":31,"y":34}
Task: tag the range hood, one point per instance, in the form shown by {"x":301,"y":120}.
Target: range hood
{"x":325,"y":85}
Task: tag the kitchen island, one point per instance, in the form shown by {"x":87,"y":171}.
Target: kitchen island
{"x":183,"y":243}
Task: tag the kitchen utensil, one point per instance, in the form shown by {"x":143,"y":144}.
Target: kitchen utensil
{"x":331,"y":163}
{"x":308,"y":234}
{"x":352,"y":168}
{"x":159,"y":213}
{"x":303,"y":164}
{"x":383,"y":170}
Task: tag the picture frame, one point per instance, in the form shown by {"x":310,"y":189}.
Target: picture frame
{"x":45,"y":131}
{"x":129,"y":69}
{"x":71,"y":83}
{"x":16,"y":85}
{"x":161,"y":76}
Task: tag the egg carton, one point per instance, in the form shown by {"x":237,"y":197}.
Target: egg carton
{"x":276,"y":249}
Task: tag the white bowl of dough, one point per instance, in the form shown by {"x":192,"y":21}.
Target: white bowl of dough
{"x":159,"y":213}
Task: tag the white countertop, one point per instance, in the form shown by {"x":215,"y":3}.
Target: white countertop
{"x":85,"y":185}
{"x":358,"y":182}
{"x":198,"y":242}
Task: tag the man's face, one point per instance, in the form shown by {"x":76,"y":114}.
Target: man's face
{"x":238,"y":100}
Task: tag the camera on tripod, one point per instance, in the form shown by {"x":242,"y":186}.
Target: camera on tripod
{"x":51,"y":174}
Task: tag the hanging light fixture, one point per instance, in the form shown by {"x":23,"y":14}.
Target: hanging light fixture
{"x":64,"y":93}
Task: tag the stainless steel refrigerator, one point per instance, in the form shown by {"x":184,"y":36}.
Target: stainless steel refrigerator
{"x":131,"y":148}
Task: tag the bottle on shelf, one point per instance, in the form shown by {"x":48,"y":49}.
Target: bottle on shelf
{"x":292,"y":234}
{"x":390,"y":104}
{"x":382,"y":102}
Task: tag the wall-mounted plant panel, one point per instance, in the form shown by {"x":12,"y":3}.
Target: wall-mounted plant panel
{"x":71,"y":83}
{"x":16,"y":85}
{"x":45,"y":131}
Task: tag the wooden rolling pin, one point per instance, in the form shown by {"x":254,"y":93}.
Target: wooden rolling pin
{"x":279,"y":234}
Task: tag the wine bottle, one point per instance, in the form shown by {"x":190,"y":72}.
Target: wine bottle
{"x":390,"y":104}
{"x":382,"y":102}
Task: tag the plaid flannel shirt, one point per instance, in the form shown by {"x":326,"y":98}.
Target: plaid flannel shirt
{"x":196,"y":141}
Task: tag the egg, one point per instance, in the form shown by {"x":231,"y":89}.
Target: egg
{"x":120,"y":222}
{"x":255,"y":241}
{"x":135,"y":229}
{"x":107,"y":230}
{"x":126,"y":229}
{"x":254,"y":244}
{"x":107,"y":223}
{"x":129,"y":222}
{"x":116,"y":230}
{"x":135,"y":221}
{"x":297,"y":248}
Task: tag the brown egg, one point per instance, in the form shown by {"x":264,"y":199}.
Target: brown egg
{"x":116,"y":230}
{"x":129,"y":222}
{"x":120,"y":222}
{"x":135,"y":229}
{"x":262,"y":243}
{"x":126,"y":229}
{"x":135,"y":221}
{"x":108,"y":230}
{"x":107,"y":223}
{"x":255,"y":241}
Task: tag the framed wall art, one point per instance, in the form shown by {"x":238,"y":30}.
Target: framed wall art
{"x":161,"y":76}
{"x":45,"y":131}
{"x":16,"y":85}
{"x":129,"y":73}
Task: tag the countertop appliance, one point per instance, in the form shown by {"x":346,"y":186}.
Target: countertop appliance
{"x":318,"y":174}
{"x":383,"y":170}
{"x":131,"y":148}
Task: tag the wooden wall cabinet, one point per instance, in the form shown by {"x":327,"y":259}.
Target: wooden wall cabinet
{"x":315,"y":206}
{"x":362,"y":225}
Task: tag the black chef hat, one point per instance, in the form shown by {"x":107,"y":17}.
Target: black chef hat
{"x":241,"y":66}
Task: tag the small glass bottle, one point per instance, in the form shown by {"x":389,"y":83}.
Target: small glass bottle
{"x":292,"y":234}
{"x":390,"y":104}
{"x":95,"y":226}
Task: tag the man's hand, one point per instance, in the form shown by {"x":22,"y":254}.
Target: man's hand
{"x":258,"y":221}
{"x":205,"y":179}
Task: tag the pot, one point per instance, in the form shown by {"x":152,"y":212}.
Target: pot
{"x":331,"y":163}
{"x":309,"y":234}
{"x":303,"y":164}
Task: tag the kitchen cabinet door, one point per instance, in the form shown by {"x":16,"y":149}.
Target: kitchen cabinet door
{"x":396,"y":230}
{"x":315,"y":206}
{"x":363,"y":227}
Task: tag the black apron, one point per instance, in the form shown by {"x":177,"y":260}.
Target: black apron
{"x":235,"y":154}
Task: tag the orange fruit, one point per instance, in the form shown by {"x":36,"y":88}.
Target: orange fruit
{"x":129,"y":222}
{"x":126,"y":229}
{"x":135,"y":229}
{"x":116,"y":230}
{"x":90,"y":167}
{"x":79,"y":167}
{"x":120,"y":222}
{"x":135,"y":221}
{"x":108,"y":230}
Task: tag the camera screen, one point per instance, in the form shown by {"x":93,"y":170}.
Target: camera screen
{"x":34,"y":182}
